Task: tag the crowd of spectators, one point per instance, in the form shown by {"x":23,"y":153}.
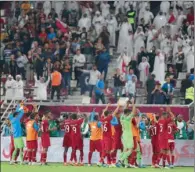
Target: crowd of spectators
{"x":74,"y":38}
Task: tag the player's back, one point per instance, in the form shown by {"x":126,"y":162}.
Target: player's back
{"x":163,"y":128}
{"x":45,"y":127}
{"x":76,"y":128}
{"x":126,"y":124}
{"x":118,"y":129}
{"x":67,"y":127}
{"x":172,"y":128}
{"x":153,"y":130}
{"x":107,"y":127}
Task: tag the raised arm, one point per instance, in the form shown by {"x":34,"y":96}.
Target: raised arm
{"x":116,"y":110}
{"x":105,"y":109}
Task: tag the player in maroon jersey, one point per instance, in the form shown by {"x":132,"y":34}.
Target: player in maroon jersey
{"x":153,"y":131}
{"x":77,"y":138}
{"x":116,"y":140}
{"x":107,"y":122}
{"x":45,"y":136}
{"x":163,"y":122}
{"x":67,"y":142}
{"x":172,"y":129}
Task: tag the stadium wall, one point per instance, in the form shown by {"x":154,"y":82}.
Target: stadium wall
{"x":184,"y":151}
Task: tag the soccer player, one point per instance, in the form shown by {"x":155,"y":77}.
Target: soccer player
{"x":77,"y":138}
{"x":172,"y":129}
{"x":127,"y":136}
{"x":107,"y":122}
{"x":45,"y":137}
{"x":116,"y":140}
{"x":32,"y":129}
{"x":95,"y":143}
{"x":136,"y":153}
{"x":17,"y":132}
{"x":163,"y":135}
{"x":67,"y":142}
{"x":153,"y":130}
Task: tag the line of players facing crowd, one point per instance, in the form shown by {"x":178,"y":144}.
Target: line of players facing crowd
{"x":112,"y":131}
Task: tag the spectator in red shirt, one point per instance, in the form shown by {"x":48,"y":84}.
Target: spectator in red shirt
{"x":190,"y":16}
{"x":43,"y":34}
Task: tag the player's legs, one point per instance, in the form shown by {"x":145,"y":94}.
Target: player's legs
{"x":65,"y":155}
{"x":91,"y":150}
{"x":44,"y":155}
{"x":172,"y":156}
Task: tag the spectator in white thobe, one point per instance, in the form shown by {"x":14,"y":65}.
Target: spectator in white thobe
{"x":19,"y":88}
{"x":41,"y":90}
{"x":9,"y":86}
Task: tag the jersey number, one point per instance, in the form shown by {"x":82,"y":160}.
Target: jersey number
{"x":153,"y":131}
{"x":67,"y":128}
{"x":161,"y":128}
{"x":105,"y":128}
{"x":74,"y":129}
{"x":169,"y":129}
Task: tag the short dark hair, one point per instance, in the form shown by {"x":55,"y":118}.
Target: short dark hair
{"x":106,"y":113}
{"x":74,"y":116}
{"x":127,"y":111}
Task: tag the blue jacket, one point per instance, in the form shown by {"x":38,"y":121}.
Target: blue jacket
{"x":99,"y":85}
{"x":165,"y":87}
{"x":15,"y":122}
{"x":103,"y":59}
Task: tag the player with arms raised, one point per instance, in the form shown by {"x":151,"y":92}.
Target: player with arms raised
{"x":163,"y":122}
{"x":108,"y":121}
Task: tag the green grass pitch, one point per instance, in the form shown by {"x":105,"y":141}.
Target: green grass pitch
{"x":5,"y":167}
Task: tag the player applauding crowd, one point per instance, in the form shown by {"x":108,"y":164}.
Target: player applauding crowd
{"x":110,"y":132}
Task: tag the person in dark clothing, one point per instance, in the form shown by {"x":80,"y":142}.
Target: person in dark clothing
{"x":102,"y":61}
{"x":13,"y":67}
{"x":158,"y":96}
{"x":118,"y":83}
{"x":150,"y":86}
{"x":39,"y":64}
{"x":141,"y":54}
{"x":172,"y":75}
{"x":179,"y":60}
{"x":152,"y":56}
{"x":105,"y":37}
{"x":185,"y":83}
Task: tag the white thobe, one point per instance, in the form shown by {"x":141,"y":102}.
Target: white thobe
{"x":122,"y":61}
{"x":41,"y":90}
{"x":47,"y":8}
{"x":159,"y":68}
{"x":98,"y":22}
{"x":159,"y":21}
{"x":84,"y":22}
{"x":165,"y":6}
{"x":190,"y":59}
{"x":19,"y":92}
{"x":123,"y":37}
{"x":139,"y":42}
{"x":9,"y":86}
{"x":59,"y":7}
{"x":144,"y":71}
{"x":112,"y":26}
{"x":105,"y":8}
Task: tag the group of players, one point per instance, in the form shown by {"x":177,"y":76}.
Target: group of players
{"x":110,"y":132}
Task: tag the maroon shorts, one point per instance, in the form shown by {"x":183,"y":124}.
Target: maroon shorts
{"x":172,"y":146}
{"x":95,"y":145}
{"x":163,"y":144}
{"x":117,"y":144}
{"x":107,"y":144}
{"x":67,"y":142}
{"x":12,"y":142}
{"x":45,"y":141}
{"x":31,"y":144}
{"x":77,"y":144}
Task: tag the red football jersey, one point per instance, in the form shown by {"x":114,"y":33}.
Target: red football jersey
{"x":67,"y":127}
{"x":118,"y":130}
{"x":45,"y":126}
{"x":163,"y":128}
{"x":172,"y":128}
{"x":153,"y":130}
{"x":107,"y":127}
{"x":76,"y":128}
